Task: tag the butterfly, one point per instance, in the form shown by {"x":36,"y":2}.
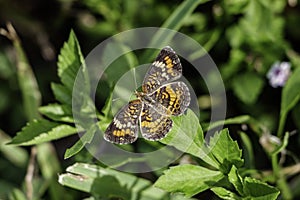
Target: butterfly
{"x":159,"y":99}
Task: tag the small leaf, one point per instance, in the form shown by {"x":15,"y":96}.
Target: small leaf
{"x":85,"y":139}
{"x":57,"y":112}
{"x":236,"y":180}
{"x":247,"y":87}
{"x":62,"y":93}
{"x":258,"y":190}
{"x":108,"y":183}
{"x":248,"y":153}
{"x":107,"y":107}
{"x":225,"y":194}
{"x":70,"y":60}
{"x":188,"y":179}
{"x":225,"y":150}
{"x":39,"y":131}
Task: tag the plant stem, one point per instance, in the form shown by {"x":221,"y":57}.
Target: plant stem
{"x":281,"y":124}
{"x":281,"y":182}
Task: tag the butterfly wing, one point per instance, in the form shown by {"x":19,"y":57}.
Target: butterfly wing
{"x":154,"y":126}
{"x":172,"y":98}
{"x":165,"y":68}
{"x":124,"y":127}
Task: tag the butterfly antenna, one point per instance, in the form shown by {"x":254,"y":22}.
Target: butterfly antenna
{"x":134,"y":77}
{"x":115,"y":99}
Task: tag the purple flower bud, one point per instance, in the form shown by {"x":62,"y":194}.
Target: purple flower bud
{"x":279,"y":73}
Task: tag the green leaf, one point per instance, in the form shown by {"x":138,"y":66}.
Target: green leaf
{"x":17,"y":194}
{"x":175,"y":21}
{"x":39,"y":131}
{"x":31,"y":95}
{"x":296,"y":115}
{"x":57,"y":112}
{"x":62,"y":93}
{"x":289,"y":99}
{"x":225,"y":151}
{"x":49,"y":166}
{"x":236,"y":180}
{"x":225,"y":194}
{"x":186,"y":135}
{"x":258,"y":190}
{"x":291,"y":92}
{"x":188,"y":179}
{"x":121,"y":64}
{"x":236,"y":58}
{"x":70,"y":60}
{"x":6,"y":67}
{"x":247,"y":87}
{"x":108,"y":183}
{"x":235,"y":120}
{"x":79,"y":145}
{"x":283,"y":145}
{"x":248,"y":152}
{"x":16,"y":155}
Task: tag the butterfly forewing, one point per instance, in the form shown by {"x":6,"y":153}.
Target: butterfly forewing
{"x":124,"y":127}
{"x":165,"y":68}
{"x":174,"y":97}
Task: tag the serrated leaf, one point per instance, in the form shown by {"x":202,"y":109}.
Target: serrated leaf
{"x":188,"y":179}
{"x":186,"y":135}
{"x":108,"y":183}
{"x":57,"y":112}
{"x":62,"y":93}
{"x":79,"y":145}
{"x":225,"y":194}
{"x":70,"y":60}
{"x":247,"y":87}
{"x":39,"y":131}
{"x":225,"y":151}
{"x":258,"y":190}
{"x":236,"y":180}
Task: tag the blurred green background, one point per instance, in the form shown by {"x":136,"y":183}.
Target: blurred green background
{"x":244,"y":38}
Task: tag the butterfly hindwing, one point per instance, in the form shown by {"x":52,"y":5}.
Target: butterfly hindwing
{"x":154,"y":126}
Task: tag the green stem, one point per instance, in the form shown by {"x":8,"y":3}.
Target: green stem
{"x":281,"y":182}
{"x":281,"y":124}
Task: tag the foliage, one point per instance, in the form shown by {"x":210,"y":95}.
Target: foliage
{"x":245,"y":38}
